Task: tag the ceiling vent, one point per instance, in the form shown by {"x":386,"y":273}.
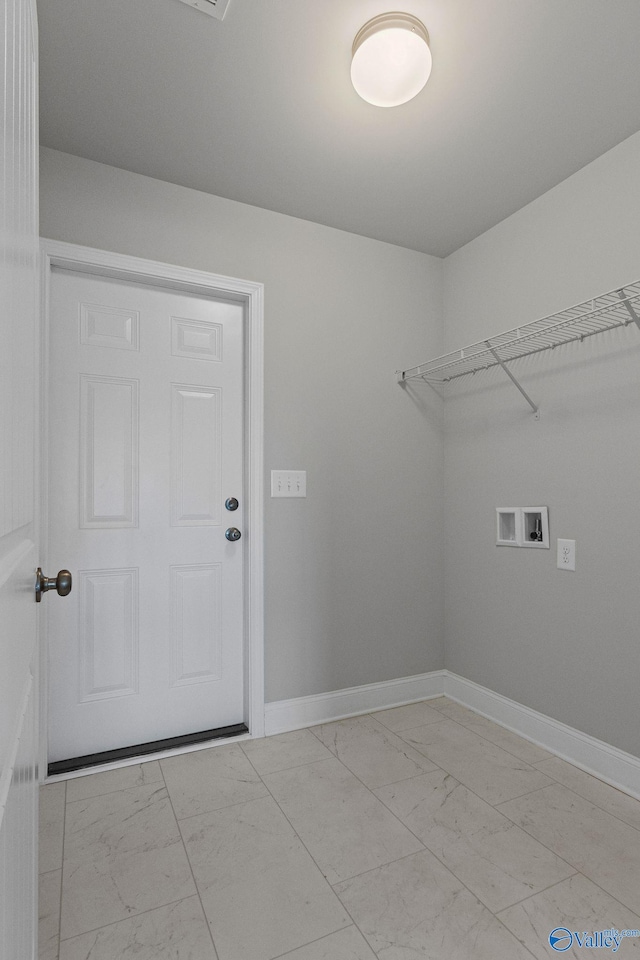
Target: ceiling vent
{"x":215,"y":8}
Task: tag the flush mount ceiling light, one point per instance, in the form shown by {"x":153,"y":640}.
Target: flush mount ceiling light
{"x":391,"y":59}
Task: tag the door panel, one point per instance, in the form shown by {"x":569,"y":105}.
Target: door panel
{"x":19,"y":285}
{"x":146,"y":441}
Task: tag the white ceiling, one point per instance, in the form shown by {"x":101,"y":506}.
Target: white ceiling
{"x":260,"y":108}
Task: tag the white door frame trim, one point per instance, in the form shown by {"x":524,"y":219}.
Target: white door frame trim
{"x":119,"y":266}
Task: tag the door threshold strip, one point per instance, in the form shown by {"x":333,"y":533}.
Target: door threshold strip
{"x":144,"y":749}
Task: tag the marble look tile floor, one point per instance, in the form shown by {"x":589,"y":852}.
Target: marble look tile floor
{"x":422,"y":832}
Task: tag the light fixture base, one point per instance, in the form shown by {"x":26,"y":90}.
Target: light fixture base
{"x":389,"y":21}
{"x":391,"y":59}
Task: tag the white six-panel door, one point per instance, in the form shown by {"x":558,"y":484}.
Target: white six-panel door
{"x":145,"y":413}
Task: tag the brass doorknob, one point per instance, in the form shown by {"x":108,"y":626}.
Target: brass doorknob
{"x":61,"y":584}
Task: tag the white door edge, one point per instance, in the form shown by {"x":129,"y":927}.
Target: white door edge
{"x":70,"y":256}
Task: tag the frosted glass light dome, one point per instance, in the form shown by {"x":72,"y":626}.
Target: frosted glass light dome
{"x":391,"y":59}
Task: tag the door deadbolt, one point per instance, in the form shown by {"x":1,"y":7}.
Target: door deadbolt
{"x":231,"y":503}
{"x":61,"y":584}
{"x":232,"y":534}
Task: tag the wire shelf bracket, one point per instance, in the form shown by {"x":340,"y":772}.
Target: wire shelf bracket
{"x":619,"y":308}
{"x":516,"y":383}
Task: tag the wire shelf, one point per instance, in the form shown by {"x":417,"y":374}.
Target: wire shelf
{"x":616,"y":309}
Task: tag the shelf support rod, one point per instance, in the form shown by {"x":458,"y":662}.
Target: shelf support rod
{"x":501,"y":362}
{"x":634,"y":315}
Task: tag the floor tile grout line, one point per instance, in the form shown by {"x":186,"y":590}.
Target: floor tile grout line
{"x":313,"y":860}
{"x":438,"y":768}
{"x":425,"y":846}
{"x":444,"y":865}
{"x":131,"y":916}
{"x":369,"y":716}
{"x":528,"y":832}
{"x":584,"y":876}
{"x":224,"y":806}
{"x":615,"y":816}
{"x":416,"y":853}
{"x":295,"y":766}
{"x":547,"y":786}
{"x":45,"y":873}
{"x":441,"y":862}
{"x":312,"y":730}
{"x":150,"y":785}
{"x":306,"y":763}
{"x":260,"y":776}
{"x":503,"y":924}
{"x":532,"y":765}
{"x":492,"y":806}
{"x":577,"y":869}
{"x":392,"y":782}
{"x":391,"y":863}
{"x":426,"y":773}
{"x":156,"y":784}
{"x":521,"y":796}
{"x":271,"y":796}
{"x":453,"y":872}
{"x":406,"y":856}
{"x":193,"y":876}
{"x":529,"y":763}
{"x":370,"y":789}
{"x":456,"y":878}
{"x":398,"y":735}
{"x":106,"y":793}
{"x":325,"y":936}
{"x":538,"y":893}
{"x":423,"y":723}
{"x":484,"y":799}
{"x":500,"y":727}
{"x":622,"y":905}
{"x":497,"y":746}
{"x":535,"y":763}
{"x":558,"y":783}
{"x":578,"y":873}
{"x":64,"y":838}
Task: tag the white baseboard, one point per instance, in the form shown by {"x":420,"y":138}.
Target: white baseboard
{"x":610,"y":764}
{"x":284,"y":715}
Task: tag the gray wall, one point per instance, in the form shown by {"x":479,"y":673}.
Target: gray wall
{"x":353,"y":573}
{"x":567,"y":644}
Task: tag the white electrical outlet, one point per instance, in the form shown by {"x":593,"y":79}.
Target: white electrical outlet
{"x":288,"y":483}
{"x":566,"y":554}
